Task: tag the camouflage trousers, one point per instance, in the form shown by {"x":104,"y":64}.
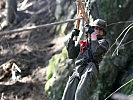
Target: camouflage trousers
{"x":81,"y":83}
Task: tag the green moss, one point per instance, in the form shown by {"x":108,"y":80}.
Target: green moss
{"x":48,"y":85}
{"x":64,"y":54}
{"x":54,"y":63}
{"x":56,"y":68}
{"x":51,"y":67}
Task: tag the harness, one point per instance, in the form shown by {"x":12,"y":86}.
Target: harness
{"x":83,"y":43}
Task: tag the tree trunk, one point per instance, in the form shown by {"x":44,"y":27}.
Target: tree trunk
{"x":11,"y":6}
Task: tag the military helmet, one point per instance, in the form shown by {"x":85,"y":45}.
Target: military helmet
{"x":100,"y":23}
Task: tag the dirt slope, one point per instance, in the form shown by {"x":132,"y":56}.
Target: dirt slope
{"x":31,"y":50}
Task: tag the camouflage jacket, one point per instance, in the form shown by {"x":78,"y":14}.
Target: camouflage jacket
{"x":98,"y":48}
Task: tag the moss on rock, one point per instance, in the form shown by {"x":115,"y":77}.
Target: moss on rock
{"x":51,"y":67}
{"x":57,"y":76}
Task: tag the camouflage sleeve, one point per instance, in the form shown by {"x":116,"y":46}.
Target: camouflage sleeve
{"x":99,"y":48}
{"x":103,"y":44}
{"x":72,"y":50}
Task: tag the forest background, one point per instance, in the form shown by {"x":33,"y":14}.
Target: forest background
{"x":41,"y":54}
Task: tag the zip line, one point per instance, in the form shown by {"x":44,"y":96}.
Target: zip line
{"x":9,"y":32}
{"x":36,"y":27}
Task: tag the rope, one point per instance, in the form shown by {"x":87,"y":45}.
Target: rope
{"x":119,"y":37}
{"x":87,"y":7}
{"x":116,"y":50}
{"x":36,"y":27}
{"x":119,"y":89}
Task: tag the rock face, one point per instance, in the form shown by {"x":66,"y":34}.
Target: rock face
{"x":114,"y":70}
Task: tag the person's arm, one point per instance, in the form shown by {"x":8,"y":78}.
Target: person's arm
{"x":73,"y":50}
{"x":100,"y":47}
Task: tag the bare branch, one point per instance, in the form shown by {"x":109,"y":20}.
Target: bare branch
{"x":116,"y":50}
{"x":119,"y":37}
{"x":36,"y":27}
{"x":119,"y":88}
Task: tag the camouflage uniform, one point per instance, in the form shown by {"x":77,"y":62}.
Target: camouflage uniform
{"x":84,"y":77}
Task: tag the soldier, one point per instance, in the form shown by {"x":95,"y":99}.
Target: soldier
{"x":88,"y":55}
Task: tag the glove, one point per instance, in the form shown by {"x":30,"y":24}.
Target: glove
{"x":75,"y":32}
{"x":89,"y":29}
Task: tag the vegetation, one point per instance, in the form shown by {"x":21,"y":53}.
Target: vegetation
{"x":112,"y":69}
{"x":34,"y":50}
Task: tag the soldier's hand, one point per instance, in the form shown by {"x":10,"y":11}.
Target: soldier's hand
{"x":75,"y":32}
{"x":89,"y":29}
